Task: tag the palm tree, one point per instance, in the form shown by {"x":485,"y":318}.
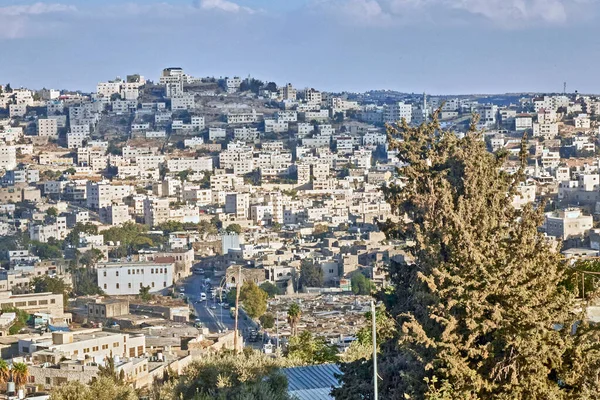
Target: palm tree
{"x":20,"y":373}
{"x":294,"y":314}
{"x":4,"y":371}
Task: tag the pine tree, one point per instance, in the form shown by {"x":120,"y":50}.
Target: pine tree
{"x":480,"y":302}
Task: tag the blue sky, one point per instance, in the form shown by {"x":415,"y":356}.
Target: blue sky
{"x":437,"y":46}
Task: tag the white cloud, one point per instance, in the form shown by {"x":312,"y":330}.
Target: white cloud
{"x":513,"y":12}
{"x":504,"y":13}
{"x":34,"y":9}
{"x":17,"y":21}
{"x":223,"y":5}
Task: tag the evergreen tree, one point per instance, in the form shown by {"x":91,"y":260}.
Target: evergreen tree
{"x":480,"y":301}
{"x":311,"y":275}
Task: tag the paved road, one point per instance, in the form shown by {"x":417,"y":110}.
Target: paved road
{"x":211,"y":314}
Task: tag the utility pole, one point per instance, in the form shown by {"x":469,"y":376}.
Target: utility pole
{"x":238,"y":288}
{"x":375,"y":391}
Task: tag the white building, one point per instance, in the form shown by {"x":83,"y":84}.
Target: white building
{"x":76,"y":139}
{"x":238,"y":204}
{"x":396,"y":112}
{"x":194,"y":164}
{"x":183,"y":101}
{"x":8,"y":157}
{"x":217,"y":134}
{"x":119,"y":279}
{"x":103,"y":194}
{"x":48,"y":127}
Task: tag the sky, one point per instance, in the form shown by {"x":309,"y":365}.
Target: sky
{"x":433,"y":46}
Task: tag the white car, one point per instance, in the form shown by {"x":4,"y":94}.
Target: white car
{"x":202,"y":296}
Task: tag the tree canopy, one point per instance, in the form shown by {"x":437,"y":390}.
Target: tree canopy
{"x":254,"y":299}
{"x":45,"y":283}
{"x":311,"y":275}
{"x":361,"y":285}
{"x":308,"y":349}
{"x":480,"y":301}
{"x":251,"y":376}
{"x":233,"y":228}
{"x":271,"y":289}
{"x":103,"y":388}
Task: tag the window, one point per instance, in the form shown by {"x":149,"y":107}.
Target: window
{"x":128,"y":272}
{"x":48,"y":381}
{"x":105,"y":286}
{"x":141,"y":286}
{"x":85,"y":351}
{"x":31,"y":379}
{"x":32,"y":303}
{"x":104,"y":347}
{"x":129,"y":285}
{"x":95,"y":348}
{"x":116,"y":344}
{"x":52,"y":301}
{"x":151,"y":270}
{"x":164,"y":284}
{"x":152,"y":284}
{"x":104,"y":273}
{"x":117,"y":285}
{"x":43,"y":302}
{"x":117,"y":273}
{"x":75,"y":352}
{"x":20,"y":304}
{"x":132,"y":352}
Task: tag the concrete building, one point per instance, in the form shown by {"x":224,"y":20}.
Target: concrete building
{"x":47,"y":303}
{"x":396,"y":112}
{"x":568,"y":224}
{"x":118,"y":279}
{"x":93,"y":344}
{"x":48,"y":127}
{"x":238,"y":204}
{"x":108,"y":308}
{"x":8,"y":157}
{"x":116,"y":214}
{"x":103,"y":194}
{"x":156,"y":211}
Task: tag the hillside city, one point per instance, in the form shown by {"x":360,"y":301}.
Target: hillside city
{"x":152,"y":223}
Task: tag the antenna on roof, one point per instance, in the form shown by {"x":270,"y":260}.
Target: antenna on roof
{"x":564,"y":87}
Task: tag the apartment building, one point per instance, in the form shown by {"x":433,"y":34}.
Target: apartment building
{"x":103,"y":194}
{"x":243,"y":117}
{"x":56,"y":229}
{"x":246,"y":133}
{"x":313,"y":97}
{"x":93,"y":344}
{"x":238,"y":204}
{"x":48,"y":303}
{"x":182,"y":101}
{"x":48,"y":127}
{"x":116,"y":214}
{"x":288,"y":92}
{"x":76,"y":139}
{"x":194,"y":164}
{"x":396,"y":112}
{"x":119,"y":279}
{"x":567,"y":224}
{"x":225,"y":182}
{"x":217,"y":133}
{"x":8,"y":157}
{"x":156,"y":211}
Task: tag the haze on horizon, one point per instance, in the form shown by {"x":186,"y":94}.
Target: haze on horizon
{"x":433,"y":46}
